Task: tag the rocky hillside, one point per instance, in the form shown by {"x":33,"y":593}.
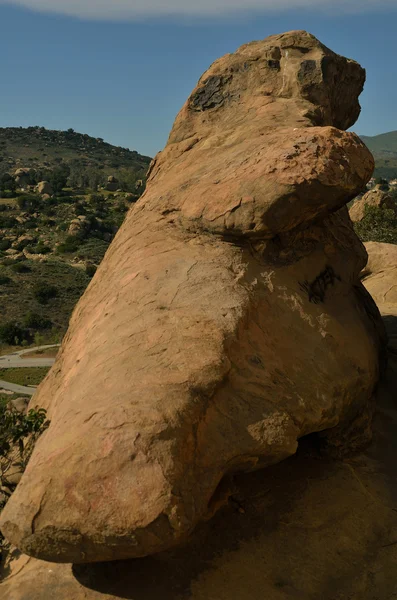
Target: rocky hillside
{"x":87,"y":160}
{"x":54,"y":233}
{"x":384,"y":149}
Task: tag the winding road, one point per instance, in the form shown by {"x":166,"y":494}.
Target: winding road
{"x":16,"y":360}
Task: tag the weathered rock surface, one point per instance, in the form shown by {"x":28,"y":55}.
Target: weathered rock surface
{"x":303,"y":529}
{"x":375,"y":197}
{"x":380,"y":279}
{"x":226,"y":321}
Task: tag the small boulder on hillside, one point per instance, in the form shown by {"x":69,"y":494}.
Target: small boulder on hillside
{"x":24,"y":177}
{"x":79,"y":226}
{"x":375,"y":197}
{"x":112,"y":184}
{"x":44,"y":188}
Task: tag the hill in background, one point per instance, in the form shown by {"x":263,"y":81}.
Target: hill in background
{"x":384,"y":149}
{"x":54,"y":235}
{"x":88,"y":161}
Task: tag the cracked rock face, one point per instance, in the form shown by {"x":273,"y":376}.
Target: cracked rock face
{"x":226,"y":321}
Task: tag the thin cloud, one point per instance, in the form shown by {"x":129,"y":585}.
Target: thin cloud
{"x":116,"y":10}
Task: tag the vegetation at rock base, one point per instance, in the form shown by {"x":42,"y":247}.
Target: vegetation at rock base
{"x":378,"y":225}
{"x":18,"y":435}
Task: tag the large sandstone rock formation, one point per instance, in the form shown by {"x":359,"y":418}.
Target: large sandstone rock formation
{"x":380,"y":279}
{"x":226,"y":322}
{"x":375,"y":197}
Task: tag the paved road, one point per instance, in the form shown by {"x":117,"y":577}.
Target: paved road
{"x":16,"y":360}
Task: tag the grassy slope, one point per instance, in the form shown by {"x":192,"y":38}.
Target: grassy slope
{"x":17,"y":297}
{"x":384,"y":149}
{"x":24,"y":376}
{"x":37,"y":147}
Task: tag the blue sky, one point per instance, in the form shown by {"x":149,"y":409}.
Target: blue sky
{"x":124,"y":77}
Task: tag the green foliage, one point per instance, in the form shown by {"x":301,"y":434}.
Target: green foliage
{"x":29,"y":202}
{"x":40,"y":248}
{"x":71,"y":244}
{"x":8,"y":222}
{"x":378,"y":225}
{"x":7,"y":184}
{"x":12,"y":334}
{"x":4,"y":280}
{"x":90,"y":270}
{"x":29,"y":376}
{"x":37,"y":322}
{"x":5,"y":245}
{"x":18,"y":435}
{"x":44,"y":292}
{"x":58,"y":178}
{"x":20,"y":267}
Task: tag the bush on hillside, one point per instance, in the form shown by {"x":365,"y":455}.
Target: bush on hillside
{"x":44,"y":292}
{"x":71,"y":244}
{"x":36,"y":321}
{"x":378,"y":225}
{"x":20,"y":267}
{"x":18,"y":435}
{"x":12,"y":334}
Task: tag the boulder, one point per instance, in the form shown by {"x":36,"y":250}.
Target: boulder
{"x":79,"y":226}
{"x":375,"y":197}
{"x":226,"y":322}
{"x":265,"y":542}
{"x":45,"y":188}
{"x":112,"y":184}
{"x":23,"y":177}
{"x":380,"y":279}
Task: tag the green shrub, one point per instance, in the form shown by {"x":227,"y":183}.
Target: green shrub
{"x":378,"y":225}
{"x":18,"y":435}
{"x":20,"y":267}
{"x":12,"y":334}
{"x":43,"y":292}
{"x":37,"y":322}
{"x":5,"y":245}
{"x":4,"y":280}
{"x":90,"y":270}
{"x":40,"y":248}
{"x":71,"y":244}
{"x":28,"y":202}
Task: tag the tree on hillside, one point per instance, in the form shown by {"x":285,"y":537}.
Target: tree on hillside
{"x":59,"y":177}
{"x":378,"y":225}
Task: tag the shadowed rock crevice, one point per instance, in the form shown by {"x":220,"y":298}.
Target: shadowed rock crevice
{"x":192,"y":357}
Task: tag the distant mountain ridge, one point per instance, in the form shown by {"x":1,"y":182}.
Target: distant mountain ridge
{"x":384,"y":149}
{"x":86,"y":156}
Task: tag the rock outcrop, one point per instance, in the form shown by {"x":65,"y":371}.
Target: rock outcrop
{"x":375,"y":197}
{"x":226,"y":322}
{"x":380,"y":279}
{"x":112,"y":184}
{"x":44,"y":188}
{"x":23,"y":177}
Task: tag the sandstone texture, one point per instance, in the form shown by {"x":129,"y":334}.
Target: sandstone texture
{"x":375,"y":197}
{"x":226,"y":322}
{"x":380,"y":279}
{"x":305,"y":529}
